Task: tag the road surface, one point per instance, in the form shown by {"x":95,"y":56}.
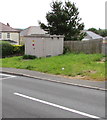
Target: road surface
{"x":24,"y":97}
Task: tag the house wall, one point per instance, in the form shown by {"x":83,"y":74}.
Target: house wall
{"x":22,"y":40}
{"x":43,"y":47}
{"x":13,"y":36}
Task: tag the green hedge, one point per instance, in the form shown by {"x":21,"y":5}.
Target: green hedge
{"x":18,"y":49}
{"x":7,"y":49}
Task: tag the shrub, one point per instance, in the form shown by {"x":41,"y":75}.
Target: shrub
{"x":18,"y":49}
{"x":6,"y":48}
{"x":66,"y":50}
{"x":29,"y":57}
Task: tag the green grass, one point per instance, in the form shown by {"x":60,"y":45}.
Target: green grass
{"x":86,"y":65}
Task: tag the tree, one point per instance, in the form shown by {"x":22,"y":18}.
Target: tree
{"x":102,"y":32}
{"x":93,"y":30}
{"x":64,"y":20}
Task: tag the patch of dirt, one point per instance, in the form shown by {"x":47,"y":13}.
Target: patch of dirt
{"x":75,"y":77}
{"x":100,"y":62}
{"x":81,"y":77}
{"x":91,"y":71}
{"x":103,"y":60}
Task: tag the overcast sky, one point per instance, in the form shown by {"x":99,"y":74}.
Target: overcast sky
{"x":25,"y":13}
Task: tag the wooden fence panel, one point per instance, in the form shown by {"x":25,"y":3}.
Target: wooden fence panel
{"x":90,"y":46}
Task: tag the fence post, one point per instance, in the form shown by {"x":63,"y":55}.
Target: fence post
{"x":104,"y":46}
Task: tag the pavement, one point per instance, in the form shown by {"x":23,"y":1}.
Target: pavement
{"x":99,"y":85}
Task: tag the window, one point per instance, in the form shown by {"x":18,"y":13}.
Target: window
{"x":0,"y":35}
{"x":8,"y":35}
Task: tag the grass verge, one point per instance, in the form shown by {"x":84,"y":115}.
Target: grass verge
{"x":85,"y":66}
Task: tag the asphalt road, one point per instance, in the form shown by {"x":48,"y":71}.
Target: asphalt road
{"x":24,"y":97}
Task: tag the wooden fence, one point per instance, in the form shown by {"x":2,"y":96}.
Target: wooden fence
{"x":89,"y":46}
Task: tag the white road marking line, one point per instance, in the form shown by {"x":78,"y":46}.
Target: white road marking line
{"x":7,"y":76}
{"x":57,"y":106}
